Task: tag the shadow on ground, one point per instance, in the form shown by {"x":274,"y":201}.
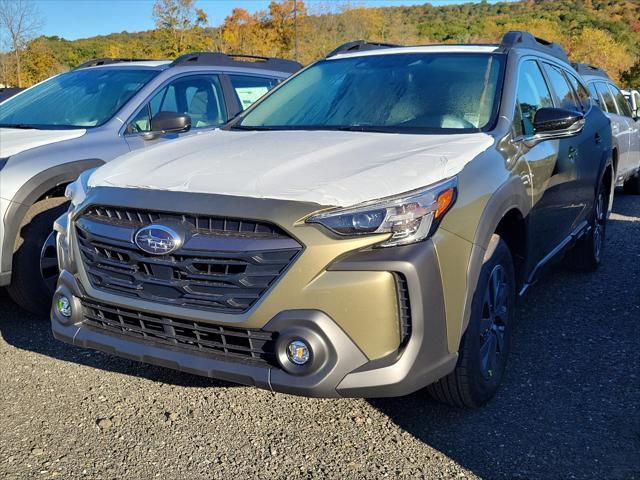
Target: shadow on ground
{"x":29,"y":332}
{"x":570,"y":401}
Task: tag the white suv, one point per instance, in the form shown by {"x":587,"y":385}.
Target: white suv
{"x":625,"y":126}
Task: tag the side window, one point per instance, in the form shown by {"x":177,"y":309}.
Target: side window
{"x":606,"y":98}
{"x":248,"y":88}
{"x":623,"y":104}
{"x":532,"y":95}
{"x":563,"y":90}
{"x":578,"y":88}
{"x":594,"y":94}
{"x":199,"y":96}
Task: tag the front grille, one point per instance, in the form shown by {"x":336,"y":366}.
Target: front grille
{"x":229,"y":271}
{"x":255,"y":346}
{"x":200,"y":223}
{"x":404,"y":308}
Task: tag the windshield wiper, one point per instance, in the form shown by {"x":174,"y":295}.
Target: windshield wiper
{"x":362,"y":128}
{"x":17,"y":125}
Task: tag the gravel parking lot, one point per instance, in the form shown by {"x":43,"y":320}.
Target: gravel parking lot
{"x":569,"y":408}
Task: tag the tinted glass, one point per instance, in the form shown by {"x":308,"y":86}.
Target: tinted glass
{"x":583,"y":95}
{"x":561,"y":87}
{"x":248,"y":89}
{"x":199,"y":96}
{"x":80,"y":98}
{"x":606,"y":98}
{"x":594,"y":94}
{"x":621,"y":101}
{"x":411,"y":93}
{"x":533,"y":94}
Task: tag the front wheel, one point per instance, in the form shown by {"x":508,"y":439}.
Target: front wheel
{"x":35,"y":266}
{"x":485,"y":344}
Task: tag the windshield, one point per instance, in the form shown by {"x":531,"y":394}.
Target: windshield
{"x":80,"y":98}
{"x":409,"y":93}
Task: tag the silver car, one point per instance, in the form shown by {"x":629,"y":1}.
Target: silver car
{"x":625,"y":126}
{"x":52,"y":132}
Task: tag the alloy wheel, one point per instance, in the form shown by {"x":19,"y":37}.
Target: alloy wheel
{"x":598,"y":226}
{"x":493,"y":323}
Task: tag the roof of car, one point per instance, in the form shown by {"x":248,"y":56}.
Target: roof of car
{"x":590,"y":71}
{"x":511,"y":40}
{"x":488,"y":48}
{"x":209,"y":59}
{"x":136,"y":64}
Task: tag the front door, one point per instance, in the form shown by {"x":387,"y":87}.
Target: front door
{"x":198,"y":95}
{"x":545,"y":179}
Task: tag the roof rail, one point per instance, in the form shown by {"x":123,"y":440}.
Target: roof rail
{"x":108,"y":61}
{"x":360,"y":46}
{"x":218,"y":59}
{"x":516,"y":39}
{"x":586,"y":69}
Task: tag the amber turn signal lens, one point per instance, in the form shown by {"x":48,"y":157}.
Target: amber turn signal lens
{"x":445,"y":200}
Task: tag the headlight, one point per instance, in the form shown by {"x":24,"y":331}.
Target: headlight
{"x":77,"y":191}
{"x":410,"y":217}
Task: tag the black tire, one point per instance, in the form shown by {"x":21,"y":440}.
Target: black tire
{"x":477,"y":377}
{"x":632,"y":185}
{"x":586,"y":254}
{"x":28,"y":288}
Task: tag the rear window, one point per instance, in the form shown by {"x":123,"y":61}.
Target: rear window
{"x":250,"y":88}
{"x":562,"y":88}
{"x":606,"y":98}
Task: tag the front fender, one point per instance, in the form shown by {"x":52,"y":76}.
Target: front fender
{"x":29,"y":193}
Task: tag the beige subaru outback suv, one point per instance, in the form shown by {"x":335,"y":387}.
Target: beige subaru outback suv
{"x":363,"y":230}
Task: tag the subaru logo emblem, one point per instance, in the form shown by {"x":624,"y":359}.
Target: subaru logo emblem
{"x":158,"y":239}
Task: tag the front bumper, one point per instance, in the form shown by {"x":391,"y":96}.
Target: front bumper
{"x":346,"y":308}
{"x":345,"y":370}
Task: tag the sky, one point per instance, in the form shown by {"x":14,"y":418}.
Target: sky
{"x":73,"y":19}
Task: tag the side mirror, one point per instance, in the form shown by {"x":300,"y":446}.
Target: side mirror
{"x":169,"y":122}
{"x":557,"y":121}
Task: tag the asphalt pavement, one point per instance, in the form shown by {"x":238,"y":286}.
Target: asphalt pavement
{"x":569,"y":407}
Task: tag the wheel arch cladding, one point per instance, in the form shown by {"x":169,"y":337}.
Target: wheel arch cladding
{"x":33,"y":190}
{"x":504,"y":213}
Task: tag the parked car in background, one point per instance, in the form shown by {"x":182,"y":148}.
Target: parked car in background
{"x":625,"y":126}
{"x":633,"y":97}
{"x":8,"y":92}
{"x":353,"y":233}
{"x":55,"y":130}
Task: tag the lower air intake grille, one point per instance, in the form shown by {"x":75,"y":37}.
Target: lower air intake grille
{"x":255,"y":346}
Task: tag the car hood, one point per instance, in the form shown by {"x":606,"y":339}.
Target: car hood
{"x":324,"y":167}
{"x":15,"y":140}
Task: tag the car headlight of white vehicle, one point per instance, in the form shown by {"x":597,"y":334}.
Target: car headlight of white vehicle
{"x":409,"y":218}
{"x":77,"y":191}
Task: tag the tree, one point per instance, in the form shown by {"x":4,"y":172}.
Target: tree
{"x":39,"y":61}
{"x":281,"y":21}
{"x":21,"y":20}
{"x":598,"y":47}
{"x":631,"y":78}
{"x":178,"y":18}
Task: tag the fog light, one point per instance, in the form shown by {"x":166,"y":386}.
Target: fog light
{"x":298,"y":352}
{"x":64,"y":306}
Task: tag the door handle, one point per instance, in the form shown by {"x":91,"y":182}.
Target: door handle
{"x":597,"y":138}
